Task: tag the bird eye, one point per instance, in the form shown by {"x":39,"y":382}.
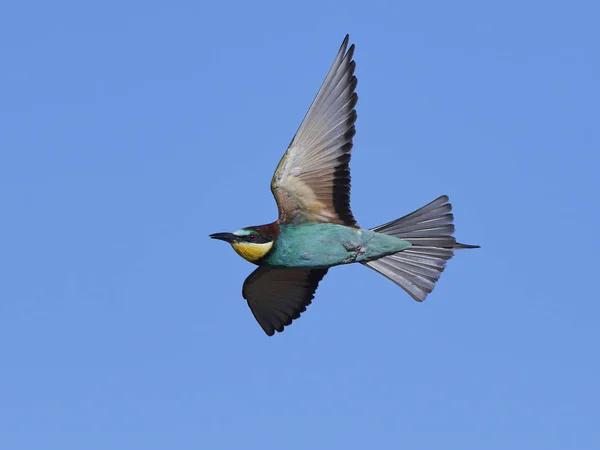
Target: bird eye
{"x":252,"y":237}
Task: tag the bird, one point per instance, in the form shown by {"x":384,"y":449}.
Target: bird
{"x":316,"y":230}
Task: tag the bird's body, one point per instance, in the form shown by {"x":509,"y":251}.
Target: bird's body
{"x":327,"y":245}
{"x":316,"y":229}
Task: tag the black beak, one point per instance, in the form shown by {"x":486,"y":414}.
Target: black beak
{"x":227,"y":237}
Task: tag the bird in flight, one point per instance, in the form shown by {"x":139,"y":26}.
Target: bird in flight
{"x":316,"y":229}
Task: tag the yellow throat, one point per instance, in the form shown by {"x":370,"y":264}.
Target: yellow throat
{"x":252,"y":252}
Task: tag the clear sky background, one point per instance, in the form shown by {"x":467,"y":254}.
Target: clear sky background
{"x":129,"y":131}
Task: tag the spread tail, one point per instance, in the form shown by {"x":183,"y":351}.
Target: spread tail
{"x":429,"y":230}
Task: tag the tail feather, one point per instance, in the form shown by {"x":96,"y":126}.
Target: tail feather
{"x":430,"y":231}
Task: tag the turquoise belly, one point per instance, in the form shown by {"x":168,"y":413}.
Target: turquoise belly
{"x":326,"y":245}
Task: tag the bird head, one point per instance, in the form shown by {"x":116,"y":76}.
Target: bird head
{"x":251,"y":243}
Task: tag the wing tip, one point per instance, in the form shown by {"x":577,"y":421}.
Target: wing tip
{"x":348,"y":52}
{"x":345,"y":41}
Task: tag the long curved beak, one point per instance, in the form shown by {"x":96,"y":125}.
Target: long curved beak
{"x":227,"y":237}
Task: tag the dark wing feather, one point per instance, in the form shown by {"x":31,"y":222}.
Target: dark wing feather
{"x":278,"y":296}
{"x":312,"y":180}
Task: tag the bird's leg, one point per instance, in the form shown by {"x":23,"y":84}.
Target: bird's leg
{"x":356,"y":250}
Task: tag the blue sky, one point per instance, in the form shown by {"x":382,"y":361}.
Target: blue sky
{"x":132,"y":130}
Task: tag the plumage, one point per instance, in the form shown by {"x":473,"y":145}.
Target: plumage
{"x":328,"y":245}
{"x":429,"y":230}
{"x":278,"y":296}
{"x":312,"y":180}
{"x":316,"y":229}
{"x":252,"y":252}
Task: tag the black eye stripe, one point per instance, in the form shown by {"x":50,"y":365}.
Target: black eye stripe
{"x":256,"y":238}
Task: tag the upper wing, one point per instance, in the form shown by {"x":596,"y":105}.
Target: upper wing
{"x":278,"y":296}
{"x":312,"y":180}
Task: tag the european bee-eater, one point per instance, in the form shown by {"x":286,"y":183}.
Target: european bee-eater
{"x":316,"y":229}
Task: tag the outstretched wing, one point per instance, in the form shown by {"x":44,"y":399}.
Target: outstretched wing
{"x":312,"y":180}
{"x":278,"y":296}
